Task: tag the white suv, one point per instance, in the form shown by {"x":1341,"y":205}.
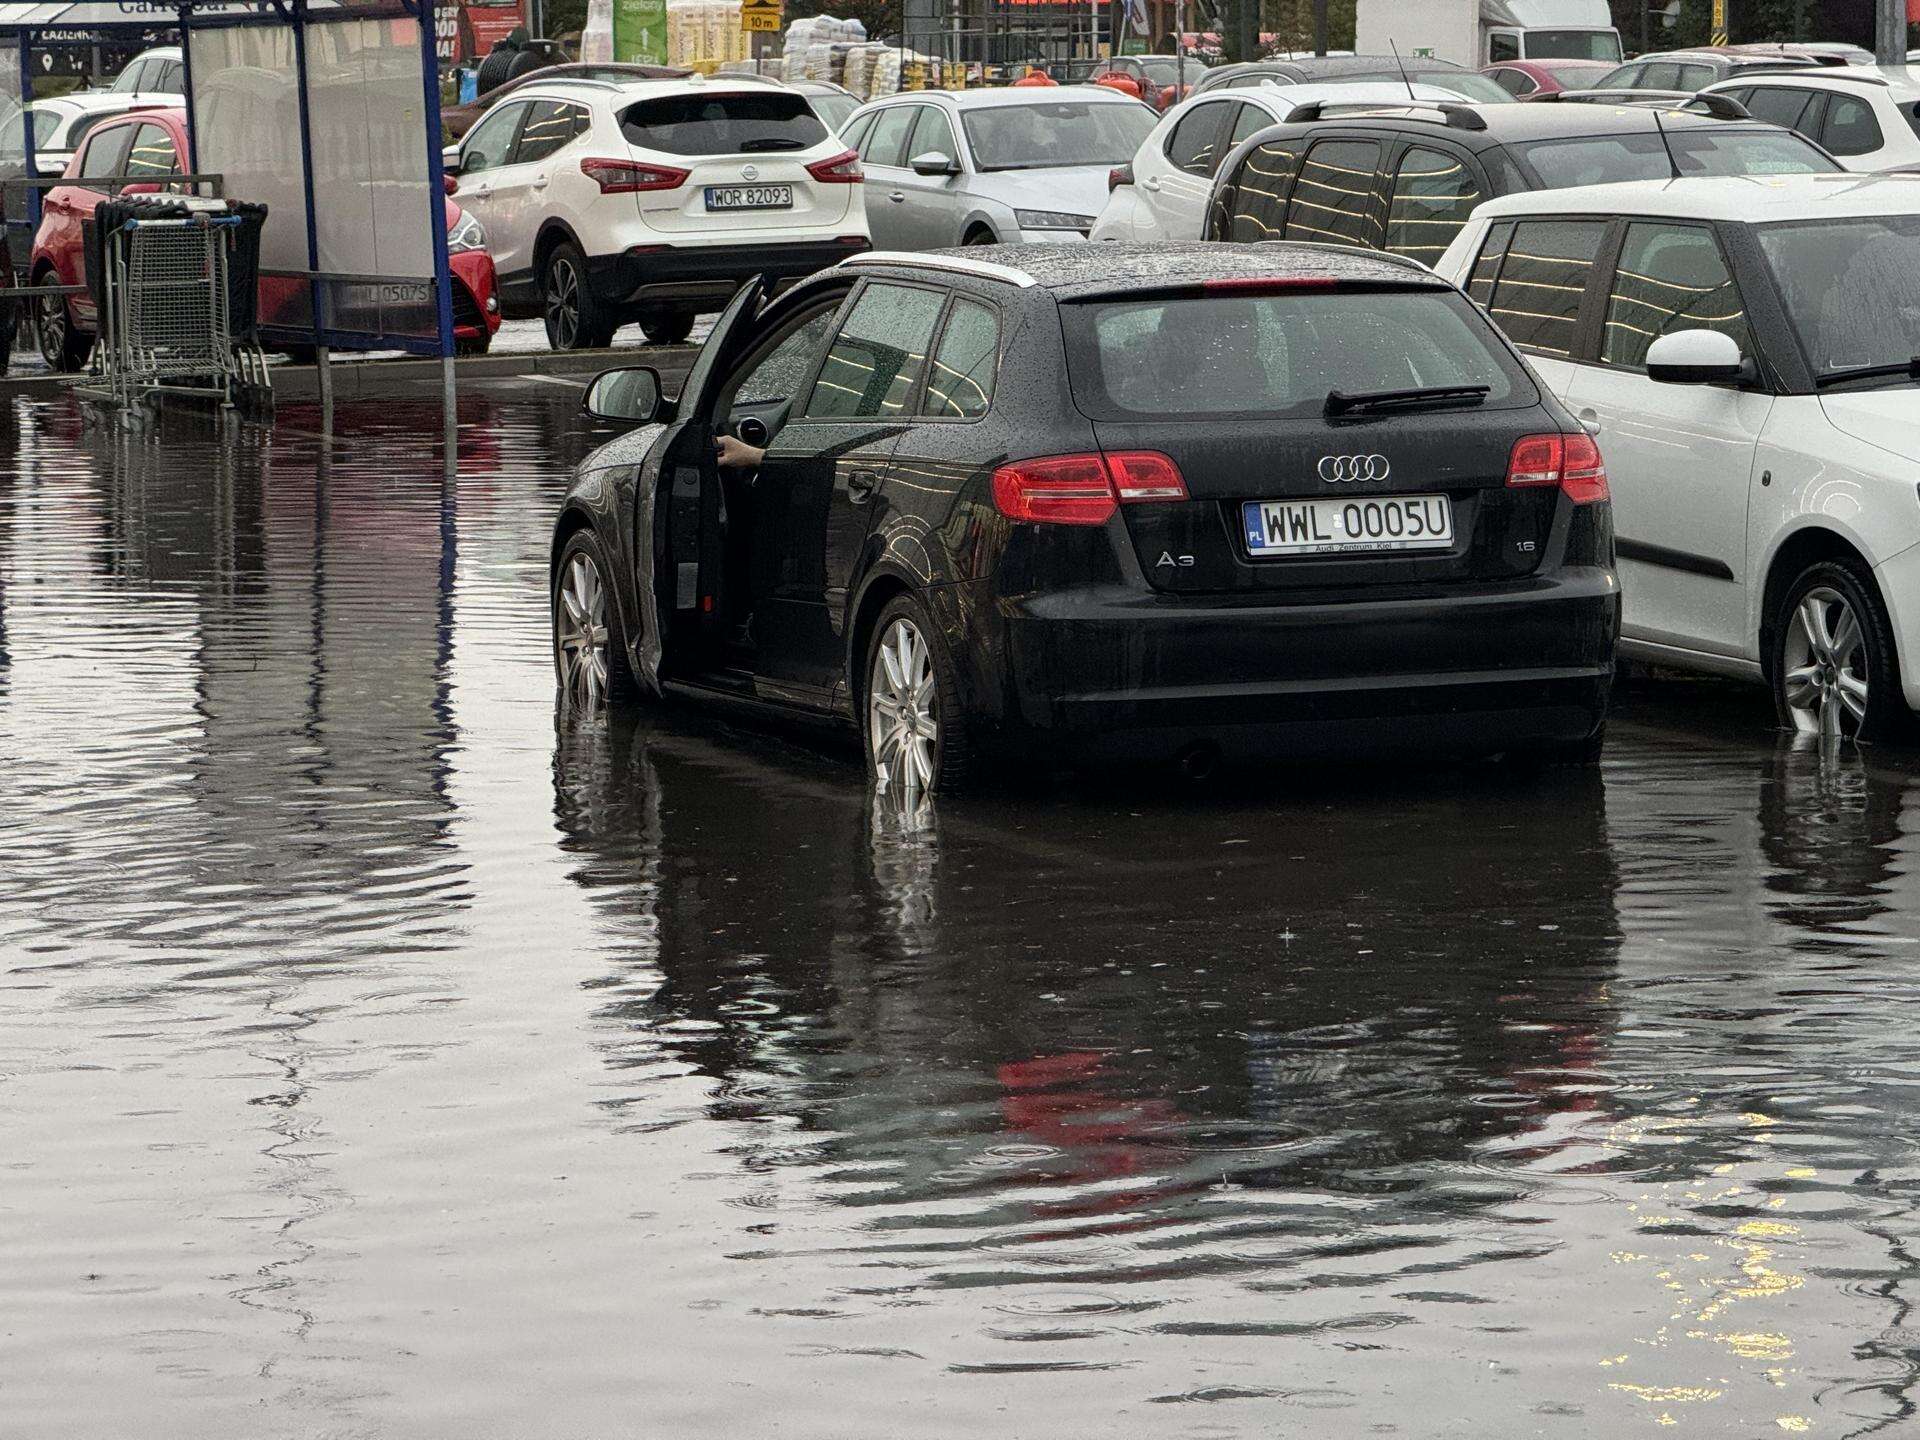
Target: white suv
{"x":653,"y":201}
{"x":1864,"y":117}
{"x":1747,"y":352}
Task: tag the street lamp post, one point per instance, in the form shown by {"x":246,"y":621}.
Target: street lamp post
{"x":1890,"y":32}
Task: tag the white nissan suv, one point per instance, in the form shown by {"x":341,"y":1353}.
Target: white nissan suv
{"x":653,"y":201}
{"x":1746,"y":351}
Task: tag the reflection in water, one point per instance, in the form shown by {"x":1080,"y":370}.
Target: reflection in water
{"x":383,"y":1051}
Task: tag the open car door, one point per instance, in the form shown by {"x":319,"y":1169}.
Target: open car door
{"x":676,"y":510}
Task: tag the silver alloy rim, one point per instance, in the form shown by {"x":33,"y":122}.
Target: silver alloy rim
{"x":580,"y":633}
{"x":563,"y":303}
{"x":1824,"y":667}
{"x":902,"y":717}
{"x":53,"y":323}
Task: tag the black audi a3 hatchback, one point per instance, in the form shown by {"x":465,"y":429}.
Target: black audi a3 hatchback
{"x":1243,"y":501}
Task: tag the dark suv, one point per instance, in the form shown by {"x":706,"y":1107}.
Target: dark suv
{"x":1404,"y":179}
{"x":1199,"y":499}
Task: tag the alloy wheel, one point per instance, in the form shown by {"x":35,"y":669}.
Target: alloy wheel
{"x":563,"y":303}
{"x":903,"y":726}
{"x":1824,"y":666}
{"x":52,"y":329}
{"x":580,"y":633}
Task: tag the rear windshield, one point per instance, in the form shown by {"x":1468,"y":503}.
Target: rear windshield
{"x":1056,"y":132}
{"x":1603,"y":159}
{"x":1280,"y":354}
{"x":747,"y":124}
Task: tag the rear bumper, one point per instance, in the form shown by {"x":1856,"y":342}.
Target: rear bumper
{"x":1118,"y":671}
{"x":686,"y":275}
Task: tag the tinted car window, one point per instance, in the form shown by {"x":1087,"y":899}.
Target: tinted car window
{"x":878,"y":355}
{"x":1433,"y":193}
{"x":1194,"y":145}
{"x":1333,"y":194}
{"x":1536,"y":299}
{"x":171,"y":78}
{"x":152,"y":153}
{"x":1258,"y":201}
{"x":1278,"y":354}
{"x":887,"y":141}
{"x":490,"y":142}
{"x":106,"y":151}
{"x":550,"y":124}
{"x":1670,"y":277}
{"x":1850,"y":128}
{"x":1487,"y":266}
{"x":1851,"y":288}
{"x":1056,"y":133}
{"x":1708,"y":150}
{"x":1250,"y":122}
{"x":1514,"y":82}
{"x":1777,"y":104}
{"x":960,"y":384}
{"x":785,"y":369}
{"x":934,"y":132}
{"x":749,"y":123}
{"x":1503,"y":46}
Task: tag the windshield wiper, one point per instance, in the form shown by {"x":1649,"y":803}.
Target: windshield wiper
{"x":1340,"y":403}
{"x":770,"y":142}
{"x":1908,"y":368}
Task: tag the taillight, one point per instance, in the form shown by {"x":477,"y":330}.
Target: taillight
{"x":841,"y":169}
{"x":1084,"y":489}
{"x":1119,"y":175}
{"x":1571,"y":462}
{"x":623,"y":177}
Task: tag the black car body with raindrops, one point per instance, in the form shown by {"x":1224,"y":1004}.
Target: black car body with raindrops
{"x":1196,"y":502}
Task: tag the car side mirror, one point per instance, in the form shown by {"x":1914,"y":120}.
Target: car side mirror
{"x":934,"y":163}
{"x":450,"y":160}
{"x":628,"y":396}
{"x":1696,"y":357}
{"x":51,"y":166}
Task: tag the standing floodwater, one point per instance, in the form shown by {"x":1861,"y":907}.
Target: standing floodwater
{"x":382,"y":1053}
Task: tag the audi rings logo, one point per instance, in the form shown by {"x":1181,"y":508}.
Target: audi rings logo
{"x":1346,"y":469}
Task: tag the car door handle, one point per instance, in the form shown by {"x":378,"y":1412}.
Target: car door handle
{"x":1152,"y":182}
{"x":861,"y":484}
{"x":480,"y":192}
{"x":1590,"y":422}
{"x":897,"y":196}
{"x":541,"y":183}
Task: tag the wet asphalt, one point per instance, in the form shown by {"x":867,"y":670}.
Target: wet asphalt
{"x":386,"y":1052}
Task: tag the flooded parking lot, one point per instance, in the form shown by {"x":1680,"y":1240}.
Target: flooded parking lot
{"x":385,"y":1053}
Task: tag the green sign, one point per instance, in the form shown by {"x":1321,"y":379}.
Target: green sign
{"x":640,"y":32}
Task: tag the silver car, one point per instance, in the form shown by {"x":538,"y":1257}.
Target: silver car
{"x":976,"y":167}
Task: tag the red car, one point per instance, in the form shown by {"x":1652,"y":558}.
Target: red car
{"x":154,"y":142}
{"x":1530,"y":79}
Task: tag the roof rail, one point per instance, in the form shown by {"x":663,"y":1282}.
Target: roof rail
{"x":1458,"y":117}
{"x":1858,"y":74}
{"x":957,"y":264}
{"x":1720,"y":107}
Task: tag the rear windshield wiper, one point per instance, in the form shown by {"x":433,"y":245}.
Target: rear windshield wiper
{"x":771,"y":142}
{"x":1908,"y":368}
{"x":1341,"y":403}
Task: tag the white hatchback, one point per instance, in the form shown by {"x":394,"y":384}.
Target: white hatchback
{"x":654,"y":201}
{"x":1864,"y":116}
{"x":1161,"y":194}
{"x":1747,"y":352}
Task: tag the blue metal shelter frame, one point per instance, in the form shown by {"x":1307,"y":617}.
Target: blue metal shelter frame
{"x":24,"y":23}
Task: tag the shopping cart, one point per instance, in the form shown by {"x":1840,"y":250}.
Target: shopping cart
{"x":170,"y":270}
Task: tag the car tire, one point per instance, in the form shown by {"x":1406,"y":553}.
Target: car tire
{"x":9,"y":331}
{"x":589,"y":643}
{"x":576,"y":319}
{"x":1832,"y":662}
{"x":478,"y":345}
{"x":62,"y":344}
{"x":916,"y":738}
{"x":980,"y":235}
{"x":666,"y":327}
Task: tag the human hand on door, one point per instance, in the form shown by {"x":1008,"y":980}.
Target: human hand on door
{"x":733,"y":453}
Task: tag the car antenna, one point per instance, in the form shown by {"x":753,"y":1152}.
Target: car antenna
{"x":1401,"y":65}
{"x":1665,"y":144}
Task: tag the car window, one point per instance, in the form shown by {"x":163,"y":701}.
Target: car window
{"x":106,"y":151}
{"x":1692,"y":77}
{"x":1662,"y":76}
{"x":1514,"y":82}
{"x":1258,"y":199}
{"x":960,"y":384}
{"x":1433,"y":193}
{"x":933,"y":132}
{"x":152,"y":153}
{"x":878,"y":355}
{"x":887,"y":142}
{"x":751,"y":122}
{"x":1776,"y":104}
{"x":1492,"y":251}
{"x":490,"y":142}
{"x":784,"y":369}
{"x":1037,"y":134}
{"x":171,"y":78}
{"x":550,"y":124}
{"x":1502,"y":46}
{"x":833,"y":110}
{"x":1670,"y":277}
{"x":1333,"y":195}
{"x":128,"y":79}
{"x":84,"y":127}
{"x":1712,"y":149}
{"x":1536,"y":298}
{"x":1194,"y":145}
{"x":1248,"y":123}
{"x":1850,"y":128}
{"x":856,"y":133}
{"x":1625,"y":78}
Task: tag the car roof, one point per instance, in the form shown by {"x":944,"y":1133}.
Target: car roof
{"x":637,"y":89}
{"x":1751,"y":198}
{"x":1902,"y":81}
{"x":1016,"y":95}
{"x":1071,"y":271}
{"x":89,"y":100}
{"x":1511,"y":124}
